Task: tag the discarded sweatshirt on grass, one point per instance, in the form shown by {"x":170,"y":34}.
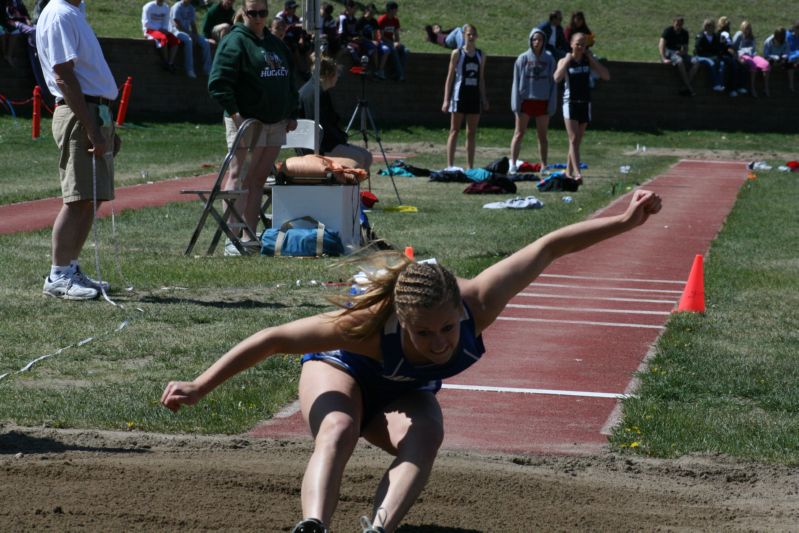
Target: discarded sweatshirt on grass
{"x":401,"y":168}
{"x":469,"y":175}
{"x":502,"y":167}
{"x":493,"y":185}
{"x":558,"y":182}
{"x":528,"y":202}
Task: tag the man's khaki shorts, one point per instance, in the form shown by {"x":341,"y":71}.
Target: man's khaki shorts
{"x":271,"y":134}
{"x":75,"y":163}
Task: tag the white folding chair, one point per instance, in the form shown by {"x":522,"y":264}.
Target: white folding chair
{"x":228,"y":198}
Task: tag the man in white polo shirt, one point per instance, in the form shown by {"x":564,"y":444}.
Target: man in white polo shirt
{"x":78,"y":76}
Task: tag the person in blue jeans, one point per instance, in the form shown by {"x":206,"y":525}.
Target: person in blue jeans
{"x":390,"y":44}
{"x":183,"y":24}
{"x":708,"y":50}
{"x":372,"y":366}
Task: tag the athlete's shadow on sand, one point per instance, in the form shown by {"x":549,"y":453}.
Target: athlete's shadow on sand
{"x":15,"y":442}
{"x":435,"y":529}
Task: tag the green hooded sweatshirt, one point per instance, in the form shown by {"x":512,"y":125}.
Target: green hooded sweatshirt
{"x":254,"y":77}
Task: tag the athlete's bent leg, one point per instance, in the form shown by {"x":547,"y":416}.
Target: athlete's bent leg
{"x":412,"y":430}
{"x":330,"y":401}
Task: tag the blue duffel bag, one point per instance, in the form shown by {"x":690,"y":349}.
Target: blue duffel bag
{"x":301,"y":242}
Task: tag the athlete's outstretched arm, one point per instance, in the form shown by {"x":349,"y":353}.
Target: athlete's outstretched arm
{"x":489,"y":292}
{"x":313,"y":334}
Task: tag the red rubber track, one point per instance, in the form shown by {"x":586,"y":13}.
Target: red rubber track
{"x":40,"y":214}
{"x":581,"y":327}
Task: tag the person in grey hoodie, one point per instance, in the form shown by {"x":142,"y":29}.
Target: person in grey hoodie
{"x":534,"y":94}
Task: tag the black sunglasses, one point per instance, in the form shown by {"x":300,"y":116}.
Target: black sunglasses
{"x":252,"y":13}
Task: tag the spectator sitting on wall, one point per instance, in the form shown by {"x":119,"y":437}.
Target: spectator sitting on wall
{"x":218,"y":21}
{"x":348,"y":31}
{"x":556,"y":42}
{"x":745,"y":43}
{"x":736,"y":77}
{"x":577,"y":24}
{"x":708,"y":50}
{"x":155,"y":25}
{"x":15,"y":20}
{"x":777,"y":51}
{"x":673,"y":47}
{"x":369,"y":30}
{"x":298,"y":41}
{"x":390,"y":44}
{"x":182,"y":23}
{"x":792,"y":37}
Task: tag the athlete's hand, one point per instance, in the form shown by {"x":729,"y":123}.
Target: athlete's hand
{"x":642,"y":204}
{"x":178,"y":393}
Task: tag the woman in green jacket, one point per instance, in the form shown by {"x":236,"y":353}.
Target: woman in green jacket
{"x":253,"y":77}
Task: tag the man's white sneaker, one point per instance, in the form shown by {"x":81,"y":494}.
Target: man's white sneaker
{"x":513,"y":169}
{"x":68,"y":287}
{"x":89,"y":282}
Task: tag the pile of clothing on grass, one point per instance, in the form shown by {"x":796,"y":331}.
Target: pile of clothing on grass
{"x":494,"y":178}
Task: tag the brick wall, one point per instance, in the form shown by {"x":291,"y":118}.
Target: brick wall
{"x":639,"y":96}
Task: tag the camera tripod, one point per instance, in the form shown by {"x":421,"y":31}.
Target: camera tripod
{"x":367,"y":121}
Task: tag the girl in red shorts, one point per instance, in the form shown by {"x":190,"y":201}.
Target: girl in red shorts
{"x":533,"y":95}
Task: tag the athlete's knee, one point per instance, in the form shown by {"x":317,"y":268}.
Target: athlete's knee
{"x":427,"y":433}
{"x":339,"y":431}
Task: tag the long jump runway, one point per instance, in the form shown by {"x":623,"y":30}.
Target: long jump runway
{"x":566,"y":349}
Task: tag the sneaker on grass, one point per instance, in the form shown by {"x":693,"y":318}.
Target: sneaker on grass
{"x":250,"y":248}
{"x":69,"y":287}
{"x":85,"y":280}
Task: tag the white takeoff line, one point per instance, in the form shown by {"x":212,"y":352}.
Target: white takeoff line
{"x":551,"y":392}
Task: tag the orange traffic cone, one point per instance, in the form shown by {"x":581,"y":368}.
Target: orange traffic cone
{"x":409,"y":252}
{"x":693,"y":296}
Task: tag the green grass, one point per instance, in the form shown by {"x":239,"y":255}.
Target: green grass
{"x":624,"y":30}
{"x":726,"y":382}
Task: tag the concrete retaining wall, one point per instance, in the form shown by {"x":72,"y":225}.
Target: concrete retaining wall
{"x":639,"y":96}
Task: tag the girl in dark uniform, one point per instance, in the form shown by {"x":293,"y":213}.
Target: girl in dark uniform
{"x":464,"y":93}
{"x":576,"y":69}
{"x":372,"y":367}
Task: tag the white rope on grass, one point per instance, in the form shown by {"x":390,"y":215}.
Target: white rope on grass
{"x":122,"y":325}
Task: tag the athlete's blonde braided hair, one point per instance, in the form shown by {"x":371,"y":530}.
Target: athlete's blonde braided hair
{"x":396,"y":283}
{"x":424,"y":285}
